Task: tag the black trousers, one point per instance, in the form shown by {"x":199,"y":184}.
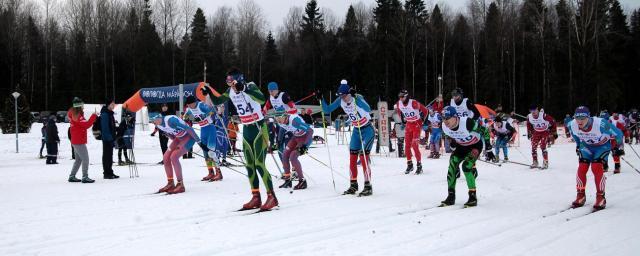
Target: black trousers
{"x":107,"y":157}
{"x":52,"y":152}
{"x":163,"y":143}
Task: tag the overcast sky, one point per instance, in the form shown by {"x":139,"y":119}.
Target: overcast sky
{"x":276,"y":10}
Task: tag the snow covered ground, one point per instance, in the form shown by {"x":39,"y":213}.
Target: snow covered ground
{"x":43,"y":214}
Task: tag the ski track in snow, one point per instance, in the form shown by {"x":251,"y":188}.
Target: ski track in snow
{"x":518,"y":212}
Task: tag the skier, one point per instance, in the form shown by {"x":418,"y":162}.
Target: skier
{"x":616,"y":121}
{"x":464,"y":107}
{"x":539,"y":126}
{"x":412,"y":114}
{"x":163,"y":139}
{"x":202,"y":113}
{"x":280,"y":102}
{"x":435,"y":122}
{"x":52,"y":140}
{"x":504,"y":133}
{"x":182,"y":139}
{"x":297,"y":146}
{"x":247,"y":98}
{"x":634,"y":118}
{"x":357,"y":111}
{"x":222,"y":140}
{"x":566,"y":121}
{"x":467,"y":137}
{"x":593,"y":137}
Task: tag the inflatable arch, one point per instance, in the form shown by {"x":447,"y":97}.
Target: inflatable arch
{"x":165,"y":94}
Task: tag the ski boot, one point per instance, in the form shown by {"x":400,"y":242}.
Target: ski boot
{"x":409,"y":167}
{"x":418,"y":168}
{"x":605,"y":166}
{"x":209,"y":176}
{"x":616,"y":169}
{"x":473,"y":200}
{"x":167,"y":187}
{"x":545,"y":164}
{"x":580,"y":199}
{"x":534,"y":164}
{"x":506,"y":159}
{"x":367,"y":190}
{"x":302,"y":184}
{"x":600,"y":203}
{"x":286,"y":184}
{"x":74,"y":179}
{"x":450,"y":200}
{"x":87,"y":180}
{"x":352,"y":189}
{"x":129,"y":162}
{"x":120,"y":163}
{"x":254,"y":203}
{"x":218,"y":175}
{"x":178,"y":189}
{"x":436,"y":155}
{"x":271,"y":202}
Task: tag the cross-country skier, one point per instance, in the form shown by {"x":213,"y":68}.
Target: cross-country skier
{"x":280,"y":102}
{"x":202,"y":113}
{"x":357,"y":111}
{"x":616,"y":121}
{"x":297,"y":146}
{"x":593,"y":137}
{"x":504,"y":133}
{"x":182,"y":139}
{"x":539,"y":127}
{"x":464,"y":107}
{"x":247,"y":99}
{"x":412,"y":114}
{"x":566,"y":121}
{"x":467,"y":140}
{"x":435,"y":122}
{"x":634,"y":130}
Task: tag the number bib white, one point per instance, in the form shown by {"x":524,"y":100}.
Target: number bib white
{"x":462,"y":135}
{"x":296,"y":131}
{"x":248,"y":109}
{"x":539,"y":124}
{"x":462,"y":110}
{"x":278,"y":105}
{"x":172,"y":131}
{"x":434,"y":121}
{"x":357,"y":116}
{"x":593,"y":137}
{"x":203,"y":119}
{"x":501,"y":130}
{"x":410,"y":114}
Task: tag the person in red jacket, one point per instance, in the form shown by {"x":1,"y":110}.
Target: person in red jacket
{"x":78,"y":130}
{"x":539,"y":127}
{"x":412,"y":114}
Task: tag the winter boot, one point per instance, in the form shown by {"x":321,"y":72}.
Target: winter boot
{"x":534,"y":164}
{"x":287,"y":184}
{"x":87,"y":180}
{"x":54,"y":160}
{"x":74,"y":179}
{"x":436,"y":155}
{"x":580,"y":199}
{"x":178,"y":189}
{"x":409,"y":167}
{"x":302,"y":184}
{"x":506,"y":159}
{"x":497,"y":159}
{"x":545,"y":164}
{"x":254,"y":203}
{"x":600,"y":203}
{"x":271,"y":202}
{"x":167,"y":187}
{"x":367,"y":190}
{"x":352,"y":189}
{"x":450,"y":200}
{"x":218,"y":175}
{"x":473,"y":200}
{"x":617,"y":168}
{"x":418,"y":168}
{"x":209,"y":176}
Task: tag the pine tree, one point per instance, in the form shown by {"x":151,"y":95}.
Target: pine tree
{"x":199,"y":50}
{"x":311,"y":35}
{"x":271,"y":61}
{"x":148,"y":47}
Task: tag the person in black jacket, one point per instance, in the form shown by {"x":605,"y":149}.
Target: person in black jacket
{"x":164,"y":140}
{"x":124,"y":137}
{"x":43,"y":130}
{"x":108,"y":132}
{"x":52,"y":140}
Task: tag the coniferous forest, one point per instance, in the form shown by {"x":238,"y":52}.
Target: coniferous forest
{"x":556,"y":54}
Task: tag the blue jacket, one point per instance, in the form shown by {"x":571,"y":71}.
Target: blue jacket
{"x":107,"y":125}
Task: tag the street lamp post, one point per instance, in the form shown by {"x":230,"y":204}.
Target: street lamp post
{"x":440,"y":84}
{"x":15,"y":103}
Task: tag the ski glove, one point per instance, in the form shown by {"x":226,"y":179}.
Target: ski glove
{"x":204,"y":91}
{"x":303,"y":150}
{"x":618,"y":152}
{"x":490,"y":156}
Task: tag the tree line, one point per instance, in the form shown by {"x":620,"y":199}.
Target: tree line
{"x":516,"y":53}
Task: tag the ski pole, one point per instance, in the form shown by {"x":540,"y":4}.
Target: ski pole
{"x":326,"y":143}
{"x":308,"y":96}
{"x":489,"y":162}
{"x":325,"y":165}
{"x":518,"y":163}
{"x":195,"y":153}
{"x":632,"y":167}
{"x":634,"y":151}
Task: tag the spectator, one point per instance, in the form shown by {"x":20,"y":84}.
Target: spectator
{"x":124,"y":136}
{"x":79,"y":126}
{"x":164,"y":140}
{"x":108,"y":132}
{"x":43,"y":131}
{"x":52,"y":140}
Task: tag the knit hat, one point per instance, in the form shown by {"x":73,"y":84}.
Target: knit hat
{"x":272,"y":86}
{"x":450,"y":112}
{"x":344,"y":87}
{"x":457,"y":91}
{"x":235,"y":74}
{"x":190,"y":99}
{"x":77,"y":102}
{"x":582,"y":111}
